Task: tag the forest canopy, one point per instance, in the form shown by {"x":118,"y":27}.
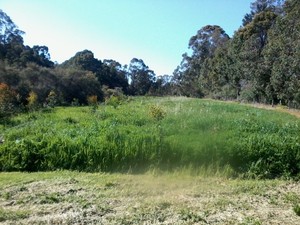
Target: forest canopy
{"x":260,"y":63}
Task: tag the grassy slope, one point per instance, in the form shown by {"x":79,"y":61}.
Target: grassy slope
{"x":198,"y":134}
{"x":192,"y":128}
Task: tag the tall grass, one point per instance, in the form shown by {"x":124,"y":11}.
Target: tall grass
{"x":192,"y":133}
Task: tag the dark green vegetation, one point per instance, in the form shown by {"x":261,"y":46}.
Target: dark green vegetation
{"x":260,"y":63}
{"x":65,"y":197}
{"x":161,"y":134}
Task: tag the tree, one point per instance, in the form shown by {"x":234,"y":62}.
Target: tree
{"x":219,"y":81}
{"x":259,"y":6}
{"x":11,"y":40}
{"x":12,"y":49}
{"x":282,"y":55}
{"x":203,"y":46}
{"x":9,"y":75}
{"x":258,"y":29}
{"x":114,"y":75}
{"x":140,"y":76}
{"x":250,"y":42}
{"x":162,"y":86}
{"x":78,"y":84}
{"x":8,"y":30}
{"x":83,"y":60}
{"x":40,"y":80}
{"x":51,"y":99}
{"x":109,"y":73}
{"x":42,"y":56}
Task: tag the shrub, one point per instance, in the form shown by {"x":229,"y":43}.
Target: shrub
{"x":114,"y":101}
{"x":157,"y":112}
{"x":51,"y":99}
{"x":32,"y":100}
{"x":297,"y":210}
{"x":8,"y":100}
{"x":93,"y":102}
{"x":75,"y":102}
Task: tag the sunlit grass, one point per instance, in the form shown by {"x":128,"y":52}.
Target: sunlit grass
{"x":202,"y":136}
{"x":178,"y":197}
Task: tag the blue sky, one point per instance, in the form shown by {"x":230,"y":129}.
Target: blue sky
{"x":156,"y":31}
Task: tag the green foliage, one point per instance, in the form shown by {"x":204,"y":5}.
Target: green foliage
{"x":142,"y":78}
{"x":259,"y":64}
{"x":75,"y":102}
{"x":93,"y":102}
{"x":192,"y":75}
{"x":191,"y":134}
{"x":157,"y":112}
{"x":192,"y":217}
{"x":12,"y":215}
{"x":7,"y":101}
{"x":114,"y":101}
{"x":269,"y":148}
{"x":297,"y":209}
{"x":52,"y":99}
{"x":32,"y":100}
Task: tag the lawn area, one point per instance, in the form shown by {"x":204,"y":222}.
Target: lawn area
{"x":65,"y":197}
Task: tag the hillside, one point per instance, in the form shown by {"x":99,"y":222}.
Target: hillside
{"x":154,"y":161}
{"x":138,"y":134}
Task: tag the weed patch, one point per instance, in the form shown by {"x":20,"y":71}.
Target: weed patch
{"x":8,"y":215}
{"x":158,"y":134}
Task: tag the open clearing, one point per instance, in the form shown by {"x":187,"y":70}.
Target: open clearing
{"x":177,"y":198}
{"x":163,"y":161}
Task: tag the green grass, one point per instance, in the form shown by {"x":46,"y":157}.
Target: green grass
{"x":156,"y":134}
{"x":12,"y":215}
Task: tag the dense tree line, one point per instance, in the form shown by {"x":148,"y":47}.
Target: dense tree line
{"x":260,"y":63}
{"x":29,"y":78}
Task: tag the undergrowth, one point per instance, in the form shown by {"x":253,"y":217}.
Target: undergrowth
{"x":155,"y":134}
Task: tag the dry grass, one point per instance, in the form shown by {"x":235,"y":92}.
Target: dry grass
{"x":279,"y":108}
{"x":82,"y":198}
{"x":294,"y":112}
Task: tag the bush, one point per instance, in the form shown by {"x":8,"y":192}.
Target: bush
{"x":157,"y":112}
{"x":32,"y":101}
{"x":51,"y":100}
{"x":8,"y":101}
{"x":93,"y":102}
{"x":114,"y":101}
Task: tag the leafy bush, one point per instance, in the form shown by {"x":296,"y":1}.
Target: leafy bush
{"x":157,"y":112}
{"x":93,"y":102}
{"x":297,"y":210}
{"x":32,"y":101}
{"x":114,"y":101}
{"x":8,"y":100}
{"x":52,"y":100}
